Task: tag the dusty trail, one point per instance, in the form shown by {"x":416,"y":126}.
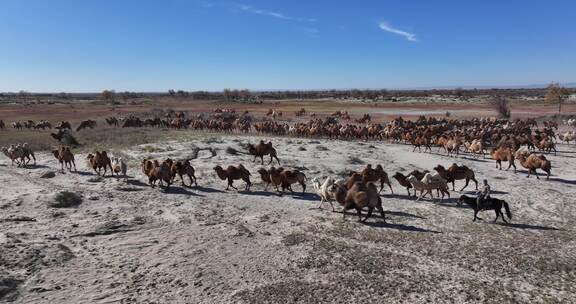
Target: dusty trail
{"x":128,"y":243}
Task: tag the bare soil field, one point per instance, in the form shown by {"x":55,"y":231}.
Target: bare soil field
{"x":125,"y":242}
{"x":381,"y":111}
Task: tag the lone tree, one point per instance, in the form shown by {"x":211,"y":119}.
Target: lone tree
{"x":556,"y":94}
{"x":108,"y":95}
{"x":502,"y":106}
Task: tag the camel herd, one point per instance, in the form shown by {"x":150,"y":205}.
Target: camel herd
{"x":502,"y":140}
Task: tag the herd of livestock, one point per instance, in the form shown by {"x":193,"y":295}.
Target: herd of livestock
{"x":504,"y":140}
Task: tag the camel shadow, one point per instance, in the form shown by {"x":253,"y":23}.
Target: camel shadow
{"x":399,"y":196}
{"x":82,"y":173}
{"x":480,"y":160}
{"x":207,"y":190}
{"x":451,"y":204}
{"x":491,"y":192}
{"x":181,"y":191}
{"x":405,"y":214}
{"x":400,"y":227}
{"x":526,"y":226}
{"x":259,"y":193}
{"x":561,"y":180}
{"x":135,"y":182}
{"x":311,"y":197}
{"x":33,"y":167}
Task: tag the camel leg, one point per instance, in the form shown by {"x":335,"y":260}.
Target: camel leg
{"x":502,"y":216}
{"x":536,"y":173}
{"x":497,"y":211}
{"x":466,"y":185}
{"x":381,"y":210}
{"x":370,"y":209}
{"x":344,"y":211}
{"x":475,"y":215}
{"x":322,"y":200}
{"x":230,"y":182}
{"x":359,"y":212}
{"x":303,"y":187}
{"x":390,"y":186}
{"x":453,"y":185}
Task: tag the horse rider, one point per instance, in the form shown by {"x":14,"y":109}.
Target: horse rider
{"x":483,"y":195}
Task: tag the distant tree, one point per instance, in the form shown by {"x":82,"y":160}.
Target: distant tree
{"x":108,"y":95}
{"x":23,"y":95}
{"x":502,"y":106}
{"x":227,"y":94}
{"x":172,"y":93}
{"x":63,"y":95}
{"x":556,"y":94}
{"x":182,"y":93}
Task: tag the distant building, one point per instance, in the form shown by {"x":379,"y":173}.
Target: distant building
{"x":572,"y":97}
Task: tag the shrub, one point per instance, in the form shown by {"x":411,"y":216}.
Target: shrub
{"x":66,"y":199}
{"x":502,"y":107}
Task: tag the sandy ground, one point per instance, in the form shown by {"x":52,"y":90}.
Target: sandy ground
{"x":129,"y":243}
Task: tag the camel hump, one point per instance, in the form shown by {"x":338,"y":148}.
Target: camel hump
{"x":243,"y":169}
{"x":542,"y":157}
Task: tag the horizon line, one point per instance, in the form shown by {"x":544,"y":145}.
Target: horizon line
{"x":416,"y":88}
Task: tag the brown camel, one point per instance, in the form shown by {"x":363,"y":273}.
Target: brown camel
{"x":65,"y":157}
{"x":377,"y":174}
{"x":290,"y":177}
{"x":182,"y":168}
{"x":402,"y":180}
{"x":157,"y":172}
{"x":532,"y":162}
{"x":265,"y":175}
{"x":261,"y":149}
{"x":503,"y":154}
{"x":233,"y":173}
{"x":455,"y":172}
{"x":99,"y":161}
{"x":361,"y":195}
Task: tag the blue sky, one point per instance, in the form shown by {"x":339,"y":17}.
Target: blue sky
{"x":145,"y":45}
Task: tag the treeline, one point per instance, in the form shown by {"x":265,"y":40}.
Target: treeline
{"x":245,"y":95}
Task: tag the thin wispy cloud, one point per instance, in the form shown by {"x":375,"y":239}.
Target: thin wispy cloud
{"x":388,"y":28}
{"x":263,"y":12}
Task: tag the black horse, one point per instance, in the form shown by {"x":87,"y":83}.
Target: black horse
{"x":488,"y":204}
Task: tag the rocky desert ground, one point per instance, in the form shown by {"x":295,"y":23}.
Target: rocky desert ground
{"x":125,"y":242}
